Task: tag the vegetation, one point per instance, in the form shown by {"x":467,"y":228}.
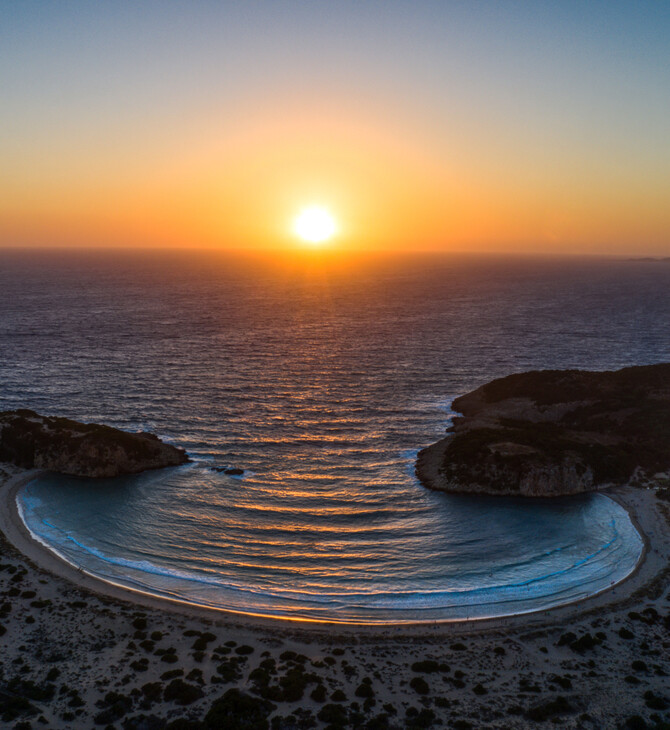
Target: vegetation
{"x":28,"y":439}
{"x":419,"y":685}
{"x":236,"y":710}
{"x":612,"y":427}
{"x":549,"y":709}
{"x":182,"y":693}
{"x":114,"y":706}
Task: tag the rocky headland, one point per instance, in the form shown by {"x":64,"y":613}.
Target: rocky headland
{"x":32,"y":441}
{"x":554,"y":432}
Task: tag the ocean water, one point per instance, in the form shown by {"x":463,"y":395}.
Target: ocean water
{"x":321,"y":377}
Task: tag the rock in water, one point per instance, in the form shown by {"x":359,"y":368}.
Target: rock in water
{"x":230,"y":470}
{"x":554,"y":432}
{"x":80,"y":449}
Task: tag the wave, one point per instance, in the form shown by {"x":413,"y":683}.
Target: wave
{"x":532,"y":591}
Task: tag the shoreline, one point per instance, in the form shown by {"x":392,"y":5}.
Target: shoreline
{"x":29,"y":545}
{"x":88,"y":654}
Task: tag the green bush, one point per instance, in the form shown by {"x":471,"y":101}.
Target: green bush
{"x":428,"y":666}
{"x":424,"y":718}
{"x":182,"y":693}
{"x":195,"y":675}
{"x":294,"y":683}
{"x":654,"y":702}
{"x":318,"y":694}
{"x":31,"y":691}
{"x":13,"y":707}
{"x":115,"y":706}
{"x":171,"y":674}
{"x":229,"y":670}
{"x":140,"y":665}
{"x":236,"y":710}
{"x":364,"y":689}
{"x":419,"y":685}
{"x":562,"y":682}
{"x":635,"y":722}
{"x":153,"y":691}
{"x":333,"y":715}
{"x":182,"y":723}
{"x":549,"y":709}
{"x":53,"y":674}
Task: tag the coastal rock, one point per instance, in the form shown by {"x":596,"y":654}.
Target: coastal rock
{"x":230,"y":470}
{"x":80,"y":449}
{"x":554,"y":432}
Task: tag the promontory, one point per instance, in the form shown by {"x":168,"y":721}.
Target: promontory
{"x":554,"y":432}
{"x":80,"y":449}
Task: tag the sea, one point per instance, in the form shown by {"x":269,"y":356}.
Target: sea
{"x":321,"y":376}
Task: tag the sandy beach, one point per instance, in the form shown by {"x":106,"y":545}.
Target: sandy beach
{"x":68,"y":640}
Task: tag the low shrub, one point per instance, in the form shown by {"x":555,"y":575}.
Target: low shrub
{"x":549,"y":709}
{"x":318,"y":694}
{"x":236,"y":710}
{"x":419,"y":685}
{"x":182,"y":693}
{"x":333,"y":715}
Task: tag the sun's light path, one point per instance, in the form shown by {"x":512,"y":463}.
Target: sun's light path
{"x":314,"y":225}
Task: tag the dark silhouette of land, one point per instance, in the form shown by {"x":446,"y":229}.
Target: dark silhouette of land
{"x":555,"y":432}
{"x":32,"y":441}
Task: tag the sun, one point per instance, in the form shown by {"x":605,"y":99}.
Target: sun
{"x":314,"y":225}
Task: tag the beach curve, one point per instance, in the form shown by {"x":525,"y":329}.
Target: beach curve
{"x":14,"y":527}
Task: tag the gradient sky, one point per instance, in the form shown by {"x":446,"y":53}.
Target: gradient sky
{"x":465,"y":126}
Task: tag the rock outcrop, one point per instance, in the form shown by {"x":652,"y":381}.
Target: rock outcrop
{"x":554,"y":432}
{"x":80,"y":449}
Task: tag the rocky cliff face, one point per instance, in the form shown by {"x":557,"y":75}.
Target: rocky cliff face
{"x":554,"y":432}
{"x":81,"y":449}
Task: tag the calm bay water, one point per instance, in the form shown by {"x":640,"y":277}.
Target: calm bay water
{"x":321,"y":378}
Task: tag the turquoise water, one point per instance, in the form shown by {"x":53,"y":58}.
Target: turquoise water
{"x":191,"y":534}
{"x":321,"y":379}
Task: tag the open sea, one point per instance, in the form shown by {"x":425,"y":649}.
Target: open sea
{"x":320,"y":376}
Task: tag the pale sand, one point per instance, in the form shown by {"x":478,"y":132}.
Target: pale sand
{"x":93,"y":641}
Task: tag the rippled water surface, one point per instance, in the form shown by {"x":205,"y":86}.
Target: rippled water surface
{"x":321,"y":378}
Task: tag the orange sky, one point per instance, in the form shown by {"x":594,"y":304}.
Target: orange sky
{"x":470,"y":148}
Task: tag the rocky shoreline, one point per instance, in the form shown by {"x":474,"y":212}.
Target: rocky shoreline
{"x":32,"y":441}
{"x":555,"y":432}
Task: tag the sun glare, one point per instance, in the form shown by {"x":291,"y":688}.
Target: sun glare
{"x":314,"y":225}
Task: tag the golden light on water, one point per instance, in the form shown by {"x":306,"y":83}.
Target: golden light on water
{"x":314,"y":225}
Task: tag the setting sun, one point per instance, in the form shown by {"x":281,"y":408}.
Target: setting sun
{"x":314,"y":225}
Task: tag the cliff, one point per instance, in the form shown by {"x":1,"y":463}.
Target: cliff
{"x":81,"y":449}
{"x":554,"y":432}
